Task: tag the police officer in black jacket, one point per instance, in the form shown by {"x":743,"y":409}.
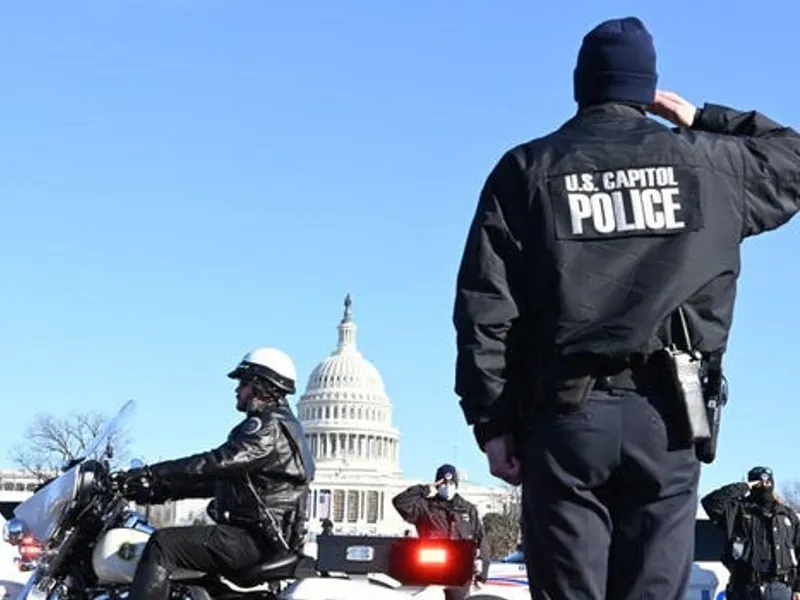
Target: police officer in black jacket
{"x":763,"y":538}
{"x":259,"y":479}
{"x":438,"y":511}
{"x":589,"y":251}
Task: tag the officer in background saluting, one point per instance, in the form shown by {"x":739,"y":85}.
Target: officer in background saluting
{"x":439,"y":511}
{"x":763,"y":538}
{"x":595,"y":289}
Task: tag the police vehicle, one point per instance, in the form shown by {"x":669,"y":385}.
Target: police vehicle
{"x":508,"y":578}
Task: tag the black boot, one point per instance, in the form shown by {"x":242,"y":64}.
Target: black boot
{"x":151,"y":582}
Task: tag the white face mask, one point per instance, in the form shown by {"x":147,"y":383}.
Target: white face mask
{"x":447,"y":491}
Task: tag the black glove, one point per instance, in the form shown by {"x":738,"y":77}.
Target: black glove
{"x":137,"y":485}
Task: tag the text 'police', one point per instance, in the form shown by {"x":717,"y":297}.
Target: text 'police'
{"x":624,"y":200}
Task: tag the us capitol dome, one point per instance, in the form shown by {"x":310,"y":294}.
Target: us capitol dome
{"x":346,"y":413}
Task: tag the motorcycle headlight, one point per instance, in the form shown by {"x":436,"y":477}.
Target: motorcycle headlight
{"x":14,"y":531}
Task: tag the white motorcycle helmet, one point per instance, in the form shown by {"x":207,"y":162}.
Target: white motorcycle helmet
{"x":270,"y":364}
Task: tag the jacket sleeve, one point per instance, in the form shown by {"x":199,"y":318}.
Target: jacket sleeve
{"x":249,"y":447}
{"x":180,"y":489}
{"x":489,"y":291}
{"x":769,"y":156}
{"x":721,"y":504}
{"x":412,"y":503}
{"x":795,"y":545}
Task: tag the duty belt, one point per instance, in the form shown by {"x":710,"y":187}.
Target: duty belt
{"x":624,"y":380}
{"x":761,"y":578}
{"x":636,"y":373}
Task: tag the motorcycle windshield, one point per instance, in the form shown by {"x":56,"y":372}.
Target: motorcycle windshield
{"x":42,"y":513}
{"x":98,"y":445}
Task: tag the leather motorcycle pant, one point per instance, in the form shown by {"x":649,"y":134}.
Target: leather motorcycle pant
{"x":216,"y":549}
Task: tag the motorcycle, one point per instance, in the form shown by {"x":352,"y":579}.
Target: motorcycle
{"x":91,"y":542}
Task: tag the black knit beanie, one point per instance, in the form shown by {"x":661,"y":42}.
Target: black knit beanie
{"x":447,"y":472}
{"x":616,"y":62}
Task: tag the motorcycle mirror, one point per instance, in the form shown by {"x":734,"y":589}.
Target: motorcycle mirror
{"x":136,"y":463}
{"x":110,"y":450}
{"x":13,"y":531}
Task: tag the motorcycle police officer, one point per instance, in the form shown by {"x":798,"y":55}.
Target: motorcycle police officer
{"x":437,"y":510}
{"x":259,"y":479}
{"x":601,"y":261}
{"x":763,"y":538}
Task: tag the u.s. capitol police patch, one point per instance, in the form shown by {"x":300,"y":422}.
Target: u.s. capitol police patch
{"x":252,"y":425}
{"x":629,"y":201}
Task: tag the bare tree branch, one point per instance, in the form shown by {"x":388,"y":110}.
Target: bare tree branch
{"x":50,"y":441}
{"x":790,"y":494}
{"x":502,"y":529}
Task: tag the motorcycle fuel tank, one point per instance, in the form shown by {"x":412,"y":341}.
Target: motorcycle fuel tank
{"x":118,"y":552}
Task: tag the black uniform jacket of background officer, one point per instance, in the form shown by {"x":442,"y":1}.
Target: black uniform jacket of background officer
{"x":268,"y":448}
{"x":435,"y":517}
{"x":575,"y":249}
{"x":752,"y":530}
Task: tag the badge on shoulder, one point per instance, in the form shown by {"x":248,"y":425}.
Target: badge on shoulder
{"x":252,"y":425}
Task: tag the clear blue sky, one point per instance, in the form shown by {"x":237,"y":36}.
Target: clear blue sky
{"x":181,"y":181}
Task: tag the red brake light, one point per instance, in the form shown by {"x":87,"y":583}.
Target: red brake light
{"x":420,"y":561}
{"x":427,"y":556}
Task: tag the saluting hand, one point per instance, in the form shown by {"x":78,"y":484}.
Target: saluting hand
{"x":503,"y":462}
{"x":673,"y":108}
{"x":433,"y":488}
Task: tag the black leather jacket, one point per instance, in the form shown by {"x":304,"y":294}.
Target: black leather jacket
{"x":265,"y":466}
